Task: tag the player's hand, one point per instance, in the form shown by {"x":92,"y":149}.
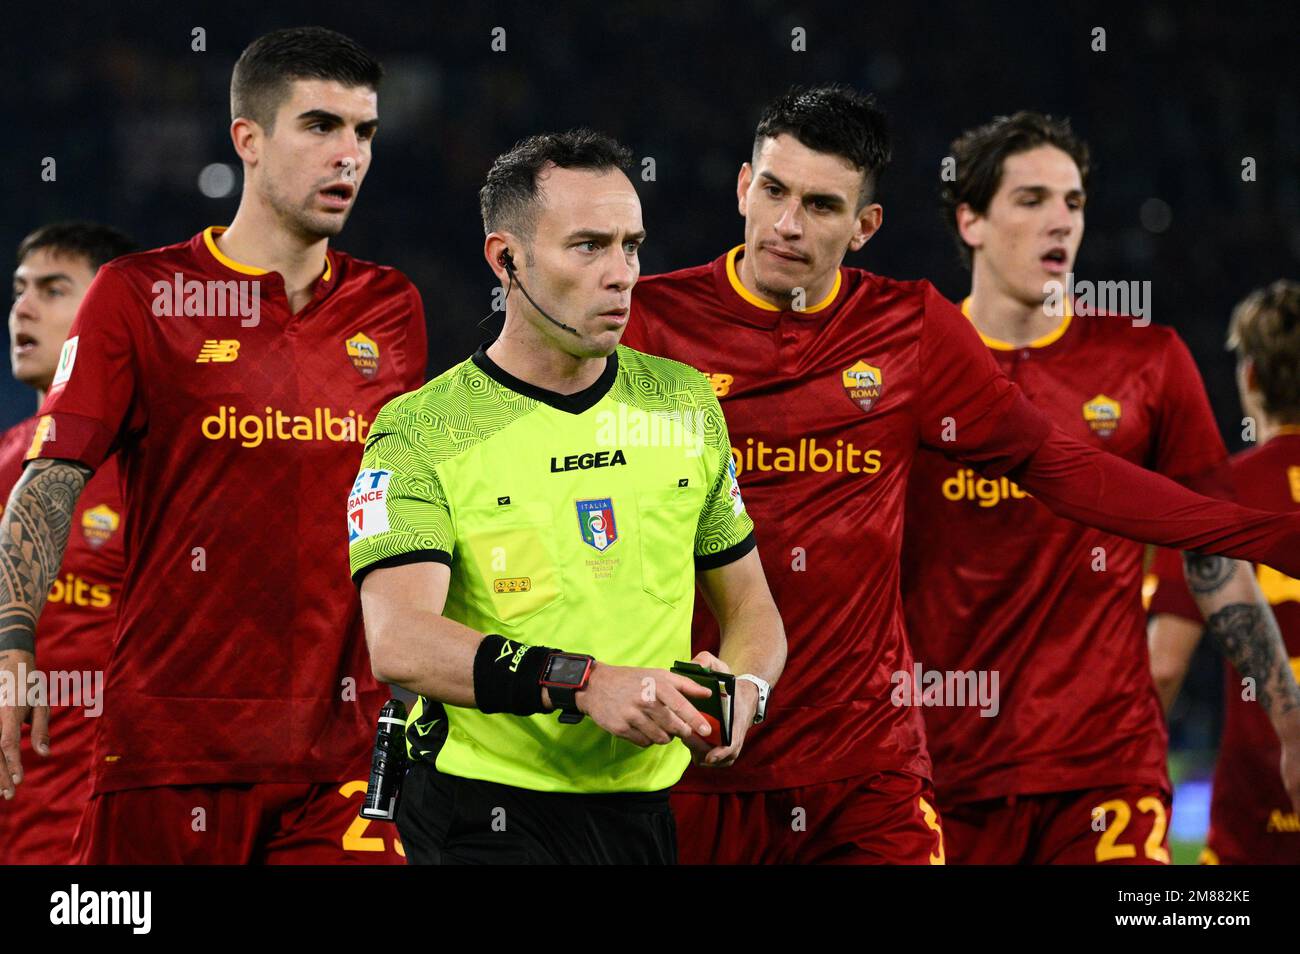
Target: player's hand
{"x":742,"y":717}
{"x":13,"y":713}
{"x":645,"y":706}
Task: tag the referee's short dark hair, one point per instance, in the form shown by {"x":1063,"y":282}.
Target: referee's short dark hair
{"x":263,"y":74}
{"x":835,"y":119}
{"x":508,"y":199}
{"x":95,"y":243}
{"x":979,"y":154}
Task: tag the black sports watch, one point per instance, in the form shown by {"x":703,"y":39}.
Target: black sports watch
{"x":564,"y":676}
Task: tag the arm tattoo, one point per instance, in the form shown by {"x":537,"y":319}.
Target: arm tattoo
{"x":33,"y":533}
{"x":1246,"y":633}
{"x":1207,"y":574}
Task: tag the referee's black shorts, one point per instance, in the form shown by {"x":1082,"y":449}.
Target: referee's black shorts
{"x":448,"y":820}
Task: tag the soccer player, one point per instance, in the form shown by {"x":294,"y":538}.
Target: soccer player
{"x":1252,"y":812}
{"x":236,"y":375}
{"x":831,"y":378}
{"x":527,"y":531}
{"x":1067,"y":764}
{"x":56,"y":264}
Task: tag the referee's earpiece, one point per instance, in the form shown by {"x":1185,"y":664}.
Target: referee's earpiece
{"x":507,"y":261}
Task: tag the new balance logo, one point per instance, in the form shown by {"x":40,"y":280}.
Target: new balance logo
{"x":218,"y":352}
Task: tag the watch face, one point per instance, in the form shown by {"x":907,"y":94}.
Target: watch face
{"x":566,"y":670}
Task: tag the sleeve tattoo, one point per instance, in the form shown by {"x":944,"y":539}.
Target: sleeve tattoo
{"x":1245,"y":632}
{"x":33,"y":534}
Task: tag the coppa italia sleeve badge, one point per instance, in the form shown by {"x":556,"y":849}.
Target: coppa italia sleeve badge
{"x":862,"y":383}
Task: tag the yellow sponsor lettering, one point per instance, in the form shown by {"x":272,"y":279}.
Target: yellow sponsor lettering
{"x":74,"y":590}
{"x":253,"y":430}
{"x":984,"y":491}
{"x":846,"y":458}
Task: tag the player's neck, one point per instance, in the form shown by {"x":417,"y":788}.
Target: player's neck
{"x":256,"y":238}
{"x":813,"y":295}
{"x":521,"y":351}
{"x":1270,"y":427}
{"x":40,"y":397}
{"x":1000,"y":316}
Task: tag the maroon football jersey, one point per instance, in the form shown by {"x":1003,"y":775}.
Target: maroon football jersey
{"x":240,"y":654}
{"x":73,"y":638}
{"x":826,"y":408}
{"x":1251,"y":818}
{"x":994,"y":582}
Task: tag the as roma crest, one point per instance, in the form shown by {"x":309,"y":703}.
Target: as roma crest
{"x":98,"y":524}
{"x":862,"y":383}
{"x":1102,"y":414}
{"x":596,"y":521}
{"x":364,"y":355}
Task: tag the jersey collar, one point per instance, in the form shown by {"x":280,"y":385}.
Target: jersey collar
{"x":750,"y":305}
{"x":210,"y":240}
{"x":1043,"y":341}
{"x":575,"y":403}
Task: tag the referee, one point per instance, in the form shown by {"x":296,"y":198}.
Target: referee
{"x":528,"y":530}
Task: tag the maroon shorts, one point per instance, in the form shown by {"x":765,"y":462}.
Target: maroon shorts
{"x":1121,"y":825}
{"x":269,"y":823}
{"x":886,"y":818}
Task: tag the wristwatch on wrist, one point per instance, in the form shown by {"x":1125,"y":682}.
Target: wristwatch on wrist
{"x":564,"y":676}
{"x":760,"y":713}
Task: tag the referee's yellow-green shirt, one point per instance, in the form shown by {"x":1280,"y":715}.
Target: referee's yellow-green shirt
{"x":576,"y":521}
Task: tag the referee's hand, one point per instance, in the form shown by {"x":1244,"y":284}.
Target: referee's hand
{"x":712,"y":755}
{"x":645,"y":706}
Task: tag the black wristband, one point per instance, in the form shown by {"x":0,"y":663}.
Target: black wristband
{"x":506,"y":675}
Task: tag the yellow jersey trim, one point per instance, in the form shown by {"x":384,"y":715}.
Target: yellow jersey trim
{"x":757,"y":302}
{"x":210,"y":240}
{"x":998,"y":344}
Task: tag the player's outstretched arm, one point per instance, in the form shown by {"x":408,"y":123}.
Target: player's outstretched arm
{"x":1090,"y":486}
{"x":414,"y":646}
{"x":1171,"y":642}
{"x":33,"y":534}
{"x":1241,"y":623}
{"x":753,"y":640}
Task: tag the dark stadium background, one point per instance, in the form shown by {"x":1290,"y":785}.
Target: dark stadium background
{"x":132,"y":115}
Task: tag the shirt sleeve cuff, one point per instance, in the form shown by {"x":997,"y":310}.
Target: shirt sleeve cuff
{"x":403,"y":559}
{"x":711,"y":561}
{"x":70,"y":437}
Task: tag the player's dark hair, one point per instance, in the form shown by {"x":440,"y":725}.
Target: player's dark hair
{"x":1265,"y":328}
{"x":836,"y":119}
{"x":508,"y":199}
{"x":95,"y":243}
{"x":263,"y":74}
{"x":979,"y":154}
